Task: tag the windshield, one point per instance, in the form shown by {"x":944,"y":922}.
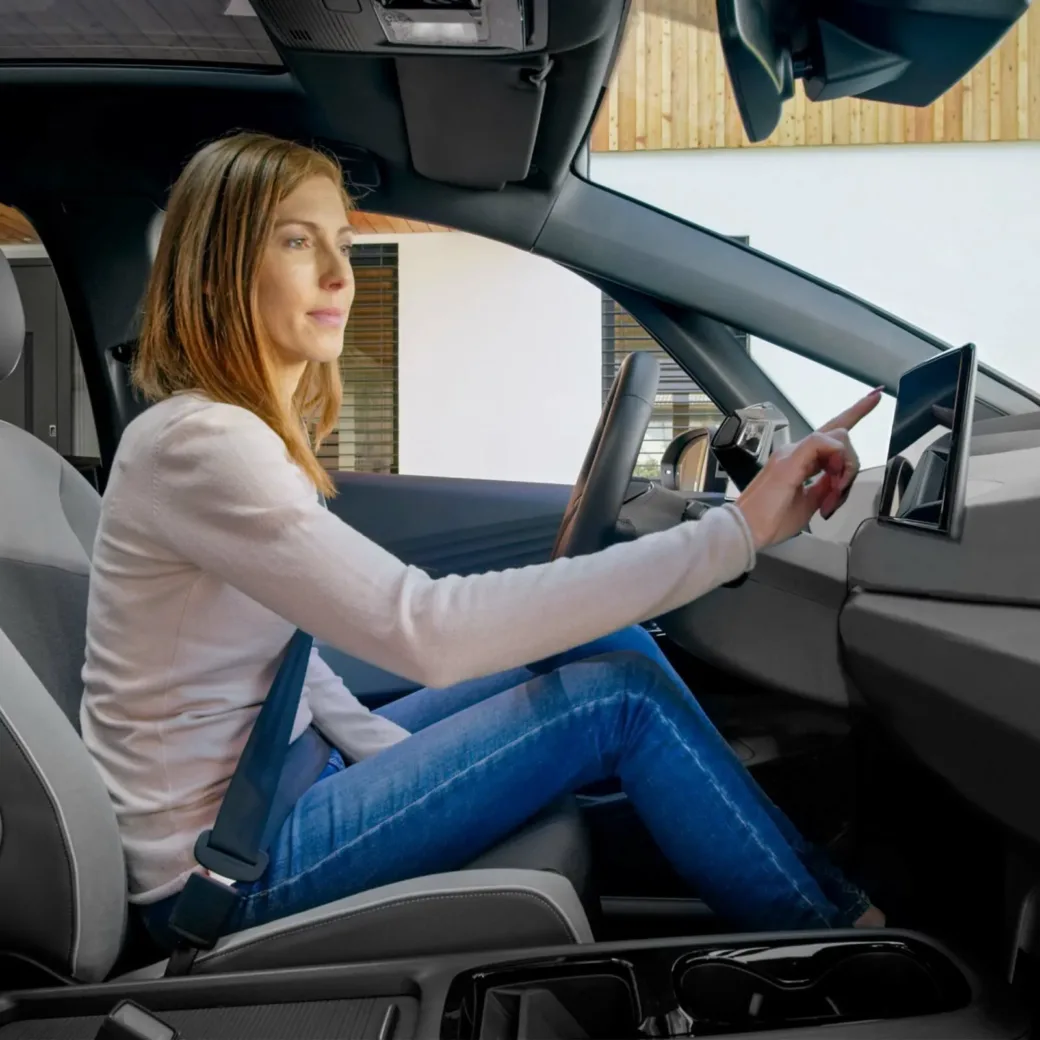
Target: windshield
{"x":929,"y":213}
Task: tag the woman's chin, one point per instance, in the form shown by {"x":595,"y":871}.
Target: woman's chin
{"x":324,"y":351}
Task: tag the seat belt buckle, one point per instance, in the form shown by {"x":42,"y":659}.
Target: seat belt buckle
{"x":201,"y":912}
{"x":225,"y":868}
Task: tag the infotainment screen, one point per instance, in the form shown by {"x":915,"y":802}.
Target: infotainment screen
{"x":926,"y":474}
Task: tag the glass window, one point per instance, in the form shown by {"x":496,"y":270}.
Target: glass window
{"x":185,"y":32}
{"x":46,"y":395}
{"x":927,"y":212}
{"x":680,"y":403}
{"x":820,"y":393}
{"x":366,"y":439}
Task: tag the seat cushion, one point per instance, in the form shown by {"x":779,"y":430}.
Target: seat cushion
{"x":442,"y":914}
{"x":555,"y":840}
{"x":438,"y":915}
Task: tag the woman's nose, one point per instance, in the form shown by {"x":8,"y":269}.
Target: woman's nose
{"x":337,"y":273}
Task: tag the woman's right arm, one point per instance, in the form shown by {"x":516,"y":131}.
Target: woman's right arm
{"x":227,"y":498}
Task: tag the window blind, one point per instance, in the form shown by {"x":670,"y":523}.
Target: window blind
{"x":366,"y":439}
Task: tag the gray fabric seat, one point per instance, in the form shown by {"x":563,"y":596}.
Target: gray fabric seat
{"x":63,"y":898}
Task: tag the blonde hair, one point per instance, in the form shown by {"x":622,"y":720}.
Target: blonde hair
{"x":200,"y":329}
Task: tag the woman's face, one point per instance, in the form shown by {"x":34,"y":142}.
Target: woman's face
{"x":305,"y":285}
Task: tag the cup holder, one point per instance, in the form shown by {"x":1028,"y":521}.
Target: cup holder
{"x":577,"y":998}
{"x":683,"y":990}
{"x":743,"y":991}
{"x":593,"y":1007}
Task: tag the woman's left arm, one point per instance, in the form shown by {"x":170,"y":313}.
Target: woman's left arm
{"x":342,"y":718}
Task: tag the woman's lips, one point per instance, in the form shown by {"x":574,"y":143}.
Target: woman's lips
{"x":329,"y":318}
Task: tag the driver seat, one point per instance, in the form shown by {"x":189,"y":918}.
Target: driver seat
{"x":63,"y":893}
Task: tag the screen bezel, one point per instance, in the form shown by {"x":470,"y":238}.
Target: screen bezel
{"x":951,"y":516}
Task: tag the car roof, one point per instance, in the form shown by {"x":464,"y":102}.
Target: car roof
{"x":128,"y":112}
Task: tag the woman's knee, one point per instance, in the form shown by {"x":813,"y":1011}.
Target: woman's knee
{"x":634,"y":638}
{"x":617,"y":674}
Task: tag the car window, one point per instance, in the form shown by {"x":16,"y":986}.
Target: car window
{"x":47,"y":393}
{"x":504,"y":383}
{"x":928,"y":213}
{"x":820,"y":393}
{"x":680,"y":402}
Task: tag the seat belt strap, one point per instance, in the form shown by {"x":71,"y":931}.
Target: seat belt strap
{"x":232,"y":850}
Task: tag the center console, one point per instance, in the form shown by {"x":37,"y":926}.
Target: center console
{"x":813,"y":985}
{"x":709,"y":989}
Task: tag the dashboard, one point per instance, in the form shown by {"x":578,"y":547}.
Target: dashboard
{"x":938,"y":638}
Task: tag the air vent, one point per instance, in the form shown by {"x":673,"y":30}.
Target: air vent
{"x":300,"y":36}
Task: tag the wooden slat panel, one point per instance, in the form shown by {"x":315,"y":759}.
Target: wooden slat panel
{"x":670,"y":91}
{"x":15,"y":229}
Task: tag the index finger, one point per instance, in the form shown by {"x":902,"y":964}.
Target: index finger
{"x":852,"y":415}
{"x":819,"y":452}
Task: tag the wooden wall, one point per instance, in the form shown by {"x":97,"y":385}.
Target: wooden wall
{"x":15,"y":229}
{"x":670,"y":91}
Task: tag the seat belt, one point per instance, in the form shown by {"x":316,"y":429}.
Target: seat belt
{"x":233,"y":850}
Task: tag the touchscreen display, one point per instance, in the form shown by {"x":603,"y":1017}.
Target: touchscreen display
{"x":925,"y":477}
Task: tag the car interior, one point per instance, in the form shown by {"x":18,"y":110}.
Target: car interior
{"x":875,"y":677}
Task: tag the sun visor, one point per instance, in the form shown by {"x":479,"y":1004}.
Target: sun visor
{"x":472,"y":123}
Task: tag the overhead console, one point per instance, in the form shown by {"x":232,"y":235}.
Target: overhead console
{"x":472,"y":75}
{"x":442,"y":27}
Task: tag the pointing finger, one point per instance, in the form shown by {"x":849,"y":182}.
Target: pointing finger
{"x":854,"y":413}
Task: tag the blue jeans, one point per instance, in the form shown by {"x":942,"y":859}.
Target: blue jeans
{"x":486,"y":755}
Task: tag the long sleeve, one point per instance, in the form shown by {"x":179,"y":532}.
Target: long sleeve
{"x":344,"y":720}
{"x":227,"y":497}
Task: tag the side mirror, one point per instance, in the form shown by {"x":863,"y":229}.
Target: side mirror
{"x":745,"y":440}
{"x":688,"y":464}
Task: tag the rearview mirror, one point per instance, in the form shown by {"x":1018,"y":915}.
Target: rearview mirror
{"x":895,"y":51}
{"x":759,"y":62}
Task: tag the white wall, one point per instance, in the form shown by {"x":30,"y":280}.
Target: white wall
{"x":499,"y":361}
{"x":945,"y":236}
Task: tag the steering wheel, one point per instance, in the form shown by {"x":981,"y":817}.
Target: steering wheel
{"x":599,"y":491}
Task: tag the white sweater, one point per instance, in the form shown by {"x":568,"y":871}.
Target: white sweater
{"x":212,"y":548}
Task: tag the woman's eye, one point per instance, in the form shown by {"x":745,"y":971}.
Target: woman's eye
{"x":345,"y":249}
{"x":297,"y":242}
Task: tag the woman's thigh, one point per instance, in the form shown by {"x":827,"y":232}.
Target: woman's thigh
{"x":415,"y":711}
{"x":438,"y":799}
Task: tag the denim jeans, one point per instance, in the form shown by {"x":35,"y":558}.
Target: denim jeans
{"x":486,"y":755}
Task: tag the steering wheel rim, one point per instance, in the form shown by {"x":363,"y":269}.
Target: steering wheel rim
{"x":599,"y":492}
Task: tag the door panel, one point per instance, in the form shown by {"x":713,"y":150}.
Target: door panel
{"x":43,"y":380}
{"x":444,"y":526}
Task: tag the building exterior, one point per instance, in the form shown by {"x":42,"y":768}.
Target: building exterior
{"x":472,"y":359}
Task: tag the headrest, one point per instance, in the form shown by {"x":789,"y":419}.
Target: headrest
{"x":12,"y":320}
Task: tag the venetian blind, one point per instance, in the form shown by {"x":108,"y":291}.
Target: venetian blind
{"x":366,"y":439}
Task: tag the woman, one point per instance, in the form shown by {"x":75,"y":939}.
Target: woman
{"x":213,"y":547}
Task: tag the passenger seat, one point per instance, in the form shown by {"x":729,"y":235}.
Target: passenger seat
{"x":63,"y":896}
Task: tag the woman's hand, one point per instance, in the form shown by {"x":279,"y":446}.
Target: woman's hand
{"x":813,"y":474}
